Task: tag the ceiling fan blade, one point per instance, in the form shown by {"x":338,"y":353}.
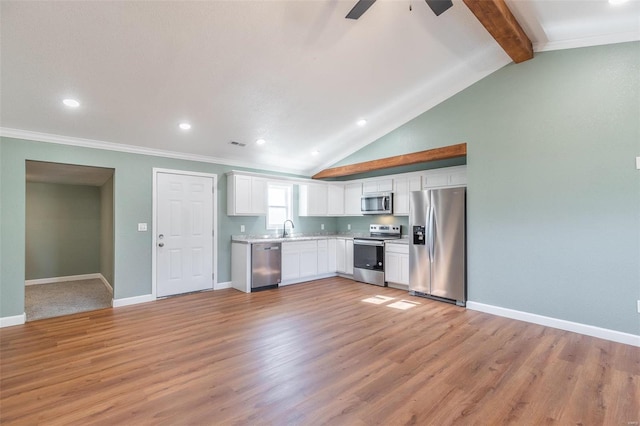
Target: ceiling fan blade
{"x":360,"y":8}
{"x":439,"y":6}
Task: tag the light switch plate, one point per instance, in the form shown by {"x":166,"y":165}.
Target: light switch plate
{"x":638,"y":163}
{"x":639,"y":306}
{"x":241,"y":228}
{"x":322,"y":226}
{"x":142,"y":227}
{"x":348,"y":227}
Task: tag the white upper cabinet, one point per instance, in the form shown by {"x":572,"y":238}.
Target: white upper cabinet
{"x":335,"y":199}
{"x":401,"y":188}
{"x":378,"y":185}
{"x":450,"y":176}
{"x":352,"y":195}
{"x":313,"y":199}
{"x":247,"y":192}
{"x":246,"y":195}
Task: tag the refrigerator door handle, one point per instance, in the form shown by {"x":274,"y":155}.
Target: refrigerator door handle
{"x":430,"y":231}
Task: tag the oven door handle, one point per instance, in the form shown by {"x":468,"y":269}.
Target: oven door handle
{"x":368,"y":243}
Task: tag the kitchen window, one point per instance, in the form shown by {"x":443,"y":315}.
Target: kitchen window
{"x":279,"y":206}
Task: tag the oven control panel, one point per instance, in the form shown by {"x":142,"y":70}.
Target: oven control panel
{"x":384,"y":229}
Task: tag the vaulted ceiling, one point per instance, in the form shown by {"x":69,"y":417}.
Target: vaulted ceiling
{"x":294,"y":73}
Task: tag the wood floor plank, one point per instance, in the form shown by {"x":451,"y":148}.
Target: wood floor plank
{"x":316,"y":353}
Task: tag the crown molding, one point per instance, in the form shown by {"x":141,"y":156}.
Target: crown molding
{"x":131,"y":149}
{"x":587,"y":42}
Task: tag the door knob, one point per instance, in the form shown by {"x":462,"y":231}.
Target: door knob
{"x":160,"y":244}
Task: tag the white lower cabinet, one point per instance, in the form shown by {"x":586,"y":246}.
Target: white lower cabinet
{"x":308,"y":259}
{"x":344,"y":256}
{"x":299,"y":260}
{"x":290,"y":263}
{"x":327,"y":257}
{"x":396,"y":263}
{"x":331,"y":255}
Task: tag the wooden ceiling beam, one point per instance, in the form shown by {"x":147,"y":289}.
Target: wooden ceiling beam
{"x":452,"y":151}
{"x":503,"y":26}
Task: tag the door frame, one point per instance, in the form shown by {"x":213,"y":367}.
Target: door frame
{"x":154,"y":223}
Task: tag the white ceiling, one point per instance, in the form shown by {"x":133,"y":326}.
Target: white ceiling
{"x":296,"y":73}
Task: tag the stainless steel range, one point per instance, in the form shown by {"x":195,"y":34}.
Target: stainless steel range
{"x":368,"y":253}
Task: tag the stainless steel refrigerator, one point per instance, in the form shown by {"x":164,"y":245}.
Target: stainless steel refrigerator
{"x":437,"y":244}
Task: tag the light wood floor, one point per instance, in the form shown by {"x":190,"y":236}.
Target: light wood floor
{"x":310,"y":354}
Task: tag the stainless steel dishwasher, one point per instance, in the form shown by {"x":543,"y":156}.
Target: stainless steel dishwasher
{"x":266,"y":270}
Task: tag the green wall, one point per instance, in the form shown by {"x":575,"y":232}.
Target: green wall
{"x":132,"y":204}
{"x":553,"y":193}
{"x":62,"y":230}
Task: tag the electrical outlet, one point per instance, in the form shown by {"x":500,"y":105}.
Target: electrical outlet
{"x":241,"y":228}
{"x":142,"y":227}
{"x":348,"y":227}
{"x":639,"y":306}
{"x":638,"y":163}
{"x":322,"y":226}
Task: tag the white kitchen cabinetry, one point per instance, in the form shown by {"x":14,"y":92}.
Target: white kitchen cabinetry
{"x":299,"y":261}
{"x":397,"y":265}
{"x":352,"y":195}
{"x":335,"y":199}
{"x":331,"y":256}
{"x":246,"y":195}
{"x":313,"y":199}
{"x":308,"y":259}
{"x":323,"y":257}
{"x":344,"y":256}
{"x":241,"y":267}
{"x":401,"y":188}
{"x":440,"y":178}
{"x":379,"y":185}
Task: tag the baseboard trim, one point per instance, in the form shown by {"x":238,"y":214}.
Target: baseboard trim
{"x":106,"y":284}
{"x":63,"y":279}
{"x":222,"y":286}
{"x":14,"y":320}
{"x":589,"y":330}
{"x":118,"y":303}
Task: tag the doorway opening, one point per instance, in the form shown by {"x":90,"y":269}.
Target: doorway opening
{"x":69,"y":239}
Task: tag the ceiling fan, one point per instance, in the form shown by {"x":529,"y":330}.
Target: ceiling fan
{"x":438,"y":6}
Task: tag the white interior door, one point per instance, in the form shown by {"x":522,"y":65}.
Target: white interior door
{"x":184,"y":240}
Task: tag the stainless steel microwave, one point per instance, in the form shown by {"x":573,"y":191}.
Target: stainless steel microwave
{"x":381,"y":203}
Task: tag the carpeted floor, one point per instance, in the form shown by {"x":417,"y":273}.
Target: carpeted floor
{"x":57,"y":299}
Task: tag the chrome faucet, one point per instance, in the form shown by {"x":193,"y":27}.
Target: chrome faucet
{"x":284,"y":227}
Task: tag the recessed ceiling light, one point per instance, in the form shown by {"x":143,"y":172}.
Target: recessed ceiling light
{"x":361,"y":122}
{"x":617,"y":2}
{"x":315,"y":152}
{"x":261,"y":141}
{"x":184,"y":126}
{"x":71,"y":103}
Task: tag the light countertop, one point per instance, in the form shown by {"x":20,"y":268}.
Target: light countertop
{"x":251,"y":239}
